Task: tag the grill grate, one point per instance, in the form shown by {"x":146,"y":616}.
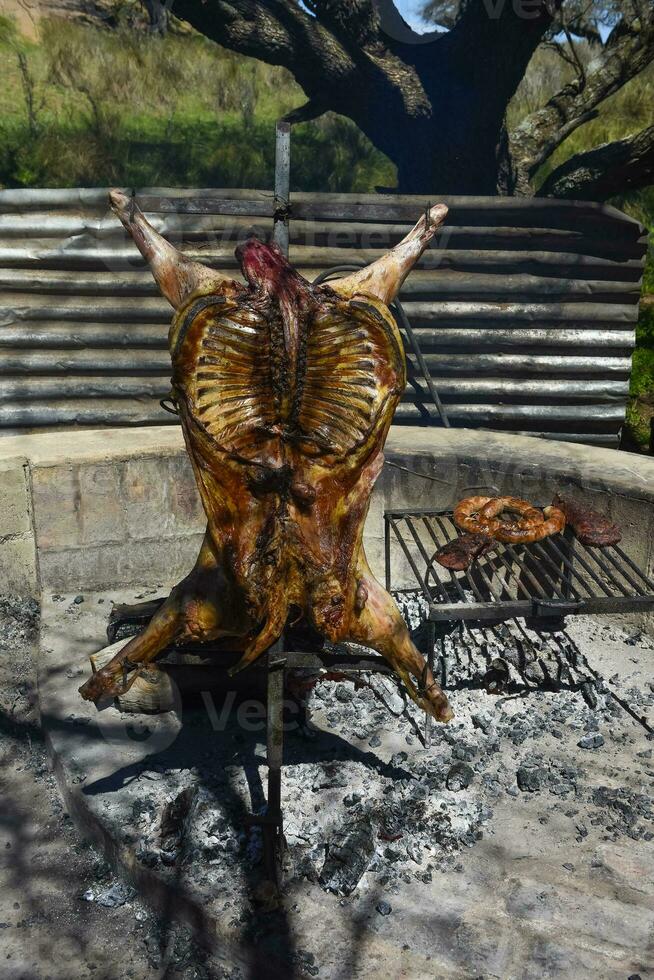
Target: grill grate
{"x":547,"y":579}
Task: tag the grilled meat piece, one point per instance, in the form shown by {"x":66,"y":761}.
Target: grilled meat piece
{"x":590,"y":527}
{"x":460,"y":553}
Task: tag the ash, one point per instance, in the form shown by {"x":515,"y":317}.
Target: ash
{"x":371,"y":803}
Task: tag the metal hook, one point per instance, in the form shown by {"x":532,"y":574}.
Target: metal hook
{"x":169,"y":404}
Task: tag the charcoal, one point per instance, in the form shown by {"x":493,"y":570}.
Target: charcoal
{"x":529,"y":780}
{"x":459,"y":776}
{"x":349,"y":854}
{"x":117,"y":894}
{"x":593,"y":741}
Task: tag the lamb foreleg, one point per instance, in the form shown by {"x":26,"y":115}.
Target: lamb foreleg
{"x":376,"y":622}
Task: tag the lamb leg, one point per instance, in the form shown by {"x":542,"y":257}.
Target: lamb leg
{"x":202,"y":607}
{"x":176,"y":275}
{"x":384,"y":277}
{"x":116,"y":677}
{"x":380,"y":626}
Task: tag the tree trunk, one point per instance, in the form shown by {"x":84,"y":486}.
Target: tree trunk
{"x":436,"y":109}
{"x":453,"y":149}
{"x":604,"y":171}
{"x":158,"y":15}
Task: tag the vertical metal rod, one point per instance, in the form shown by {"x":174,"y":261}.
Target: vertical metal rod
{"x":275,"y":733}
{"x":431,"y":640}
{"x":387,"y":552}
{"x":274,"y":829}
{"x":282,"y":185}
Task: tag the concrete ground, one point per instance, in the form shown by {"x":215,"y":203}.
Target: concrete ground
{"x":49,"y":929}
{"x":517,"y":845}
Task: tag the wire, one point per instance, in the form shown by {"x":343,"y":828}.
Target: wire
{"x":424,"y":476}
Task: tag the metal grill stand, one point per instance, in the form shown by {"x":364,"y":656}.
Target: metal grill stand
{"x":544,"y":581}
{"x":280,"y":660}
{"x":281,"y":657}
{"x":272,"y":821}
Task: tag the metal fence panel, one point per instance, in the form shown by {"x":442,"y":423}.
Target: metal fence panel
{"x":525,"y":310}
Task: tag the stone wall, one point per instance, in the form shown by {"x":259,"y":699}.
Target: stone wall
{"x":98,"y":509}
{"x":18,"y":569}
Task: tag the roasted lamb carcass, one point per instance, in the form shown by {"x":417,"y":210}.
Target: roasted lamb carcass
{"x":285,"y":392}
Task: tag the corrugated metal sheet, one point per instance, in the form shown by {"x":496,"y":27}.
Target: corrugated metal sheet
{"x":525,"y":310}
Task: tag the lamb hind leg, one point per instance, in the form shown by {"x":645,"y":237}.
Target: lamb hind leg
{"x":176,"y":275}
{"x":379,"y":625}
{"x":117,"y":676}
{"x":202,"y":606}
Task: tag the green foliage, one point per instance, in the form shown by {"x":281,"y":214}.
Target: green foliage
{"x":640,"y":205}
{"x":7,"y":30}
{"x":641,"y":405}
{"x":624,"y":113}
{"x":645,"y":328}
{"x":642,"y":372}
{"x":637,"y":425}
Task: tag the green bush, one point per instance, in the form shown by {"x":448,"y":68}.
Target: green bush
{"x":637,"y":426}
{"x":645,"y":328}
{"x":642,"y":373}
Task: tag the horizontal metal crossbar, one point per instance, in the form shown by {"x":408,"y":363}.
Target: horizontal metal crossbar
{"x":547,"y":579}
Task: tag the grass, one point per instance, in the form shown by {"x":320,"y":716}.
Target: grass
{"x":127,"y":107}
{"x":641,"y":390}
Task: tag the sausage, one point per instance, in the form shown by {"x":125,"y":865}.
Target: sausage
{"x":512,"y":505}
{"x":590,"y":527}
{"x":553,"y":523}
{"x":466,"y":515}
{"x":460,"y":553}
{"x":483,"y":515}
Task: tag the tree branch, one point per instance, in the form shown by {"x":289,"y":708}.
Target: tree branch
{"x":353,"y":21}
{"x":310,"y":110}
{"x":605,"y":171}
{"x":627,"y":52}
{"x":445,"y":13}
{"x":278,"y":32}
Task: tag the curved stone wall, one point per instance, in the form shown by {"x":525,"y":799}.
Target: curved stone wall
{"x":103,"y":508}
